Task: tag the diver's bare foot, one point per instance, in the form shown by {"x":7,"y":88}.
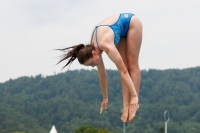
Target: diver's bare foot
{"x":125,"y":113}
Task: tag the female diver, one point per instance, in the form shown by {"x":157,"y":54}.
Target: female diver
{"x":120,"y":37}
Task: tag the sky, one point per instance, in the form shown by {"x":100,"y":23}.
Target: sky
{"x":30,"y":30}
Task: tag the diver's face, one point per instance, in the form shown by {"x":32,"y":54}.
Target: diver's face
{"x":94,"y":61}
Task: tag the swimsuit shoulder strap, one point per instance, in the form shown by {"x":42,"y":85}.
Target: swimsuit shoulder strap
{"x":95,"y":29}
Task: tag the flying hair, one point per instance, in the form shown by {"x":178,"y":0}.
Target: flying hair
{"x":81,"y":52}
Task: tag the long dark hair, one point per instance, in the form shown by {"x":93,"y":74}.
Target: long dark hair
{"x":81,"y":52}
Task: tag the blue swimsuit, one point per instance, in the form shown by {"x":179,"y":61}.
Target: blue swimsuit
{"x":120,"y":28}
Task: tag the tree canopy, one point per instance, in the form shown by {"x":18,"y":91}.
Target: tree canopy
{"x":71,"y":101}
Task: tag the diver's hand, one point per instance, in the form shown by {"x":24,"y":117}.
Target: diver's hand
{"x":104,"y":105}
{"x":133,"y":107}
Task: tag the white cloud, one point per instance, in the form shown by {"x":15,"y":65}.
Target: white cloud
{"x":29,"y":30}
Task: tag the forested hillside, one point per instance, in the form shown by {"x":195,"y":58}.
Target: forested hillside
{"x":72,"y":99}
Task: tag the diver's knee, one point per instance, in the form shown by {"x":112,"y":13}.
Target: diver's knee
{"x":134,"y":67}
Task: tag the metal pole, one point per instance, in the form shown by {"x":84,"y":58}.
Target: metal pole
{"x":166,"y":118}
{"x":124,"y":127}
{"x":165,"y":127}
